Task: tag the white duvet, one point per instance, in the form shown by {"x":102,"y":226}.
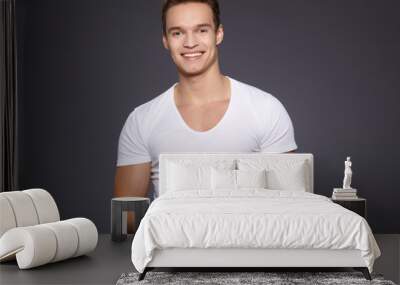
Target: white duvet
{"x":251,"y":218}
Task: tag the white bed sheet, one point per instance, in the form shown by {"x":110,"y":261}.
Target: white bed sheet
{"x":250,"y":218}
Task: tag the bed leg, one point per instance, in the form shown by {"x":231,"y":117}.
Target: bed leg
{"x":143,"y":274}
{"x":364,"y":271}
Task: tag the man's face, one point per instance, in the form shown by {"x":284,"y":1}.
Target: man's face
{"x":191,"y":37}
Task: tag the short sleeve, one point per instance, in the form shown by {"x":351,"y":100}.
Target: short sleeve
{"x":132,"y":148}
{"x":278,"y":133}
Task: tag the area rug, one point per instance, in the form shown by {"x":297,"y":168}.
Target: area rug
{"x":269,"y":278}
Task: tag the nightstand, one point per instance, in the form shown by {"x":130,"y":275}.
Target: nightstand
{"x":119,"y":208}
{"x":358,"y":205}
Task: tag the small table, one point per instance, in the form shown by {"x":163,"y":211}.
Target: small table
{"x":357,"y":205}
{"x":119,"y":208}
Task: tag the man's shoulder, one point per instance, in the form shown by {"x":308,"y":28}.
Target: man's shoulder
{"x":256,"y":96}
{"x":152,"y":107}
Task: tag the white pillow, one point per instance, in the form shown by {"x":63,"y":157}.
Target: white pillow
{"x":293,"y":179}
{"x":181,"y":177}
{"x":282,"y":174}
{"x":235,"y":179}
{"x":188,"y":174}
{"x":251,"y":178}
{"x":223,"y":179}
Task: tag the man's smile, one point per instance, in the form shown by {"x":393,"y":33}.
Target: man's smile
{"x":192,"y":55}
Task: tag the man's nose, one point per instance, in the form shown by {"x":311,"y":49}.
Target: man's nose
{"x":190,"y":40}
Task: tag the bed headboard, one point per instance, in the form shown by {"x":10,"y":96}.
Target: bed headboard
{"x":210,"y":158}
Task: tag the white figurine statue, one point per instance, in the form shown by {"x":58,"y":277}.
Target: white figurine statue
{"x":347,"y":174}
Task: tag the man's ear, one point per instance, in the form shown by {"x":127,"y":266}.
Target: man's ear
{"x":165,"y":42}
{"x":220,"y":34}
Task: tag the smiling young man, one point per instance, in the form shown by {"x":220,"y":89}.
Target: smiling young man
{"x":205,"y":111}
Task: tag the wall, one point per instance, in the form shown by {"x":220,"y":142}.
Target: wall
{"x":84,"y":66}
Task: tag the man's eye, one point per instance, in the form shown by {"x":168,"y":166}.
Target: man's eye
{"x":176,"y":33}
{"x":203,"y":30}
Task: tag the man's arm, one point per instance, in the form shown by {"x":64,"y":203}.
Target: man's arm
{"x":132,"y":180}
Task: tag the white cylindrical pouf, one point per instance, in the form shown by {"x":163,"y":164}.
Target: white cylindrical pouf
{"x":23,"y":207}
{"x":7,"y":218}
{"x":45,"y":205}
{"x":87,"y":234}
{"x":35,"y":245}
{"x":67,"y":239}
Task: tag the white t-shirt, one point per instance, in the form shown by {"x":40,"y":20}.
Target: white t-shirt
{"x":255,"y":121}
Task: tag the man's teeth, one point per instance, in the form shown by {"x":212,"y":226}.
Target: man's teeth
{"x":192,"y":54}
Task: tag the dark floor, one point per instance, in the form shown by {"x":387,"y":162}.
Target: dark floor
{"x":103,"y":266}
{"x":110,"y":260}
{"x":389,"y":262}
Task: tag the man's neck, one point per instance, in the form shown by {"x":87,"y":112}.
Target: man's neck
{"x":202,"y":89}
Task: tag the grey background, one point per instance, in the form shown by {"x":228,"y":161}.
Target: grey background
{"x":84,"y":65}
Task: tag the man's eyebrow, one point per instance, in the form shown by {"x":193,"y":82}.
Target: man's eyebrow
{"x":197,"y":26}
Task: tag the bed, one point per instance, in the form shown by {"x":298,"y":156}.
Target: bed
{"x":247,"y":210}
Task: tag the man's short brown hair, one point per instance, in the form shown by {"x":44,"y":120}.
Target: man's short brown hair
{"x":170,"y":3}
